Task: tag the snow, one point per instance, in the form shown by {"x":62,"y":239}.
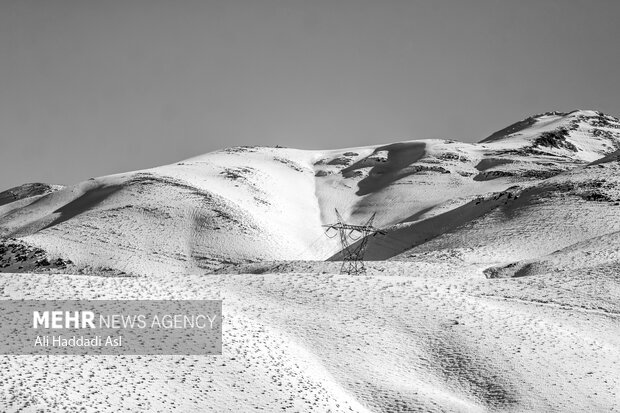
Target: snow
{"x":254,"y":204}
{"x":494,"y":288}
{"x":411,"y":337}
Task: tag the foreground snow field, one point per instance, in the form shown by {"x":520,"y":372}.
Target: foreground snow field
{"x":495,"y":288}
{"x":407,"y":337}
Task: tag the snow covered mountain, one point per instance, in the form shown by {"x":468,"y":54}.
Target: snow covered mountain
{"x":258,"y":203}
{"x":495,"y":287}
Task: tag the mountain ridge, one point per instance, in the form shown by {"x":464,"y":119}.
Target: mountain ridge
{"x":493,"y":286}
{"x":247,"y":204}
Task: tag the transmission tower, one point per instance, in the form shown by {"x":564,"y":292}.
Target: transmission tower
{"x":353,"y":251}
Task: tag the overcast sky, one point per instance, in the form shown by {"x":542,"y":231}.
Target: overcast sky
{"x":89,"y":88}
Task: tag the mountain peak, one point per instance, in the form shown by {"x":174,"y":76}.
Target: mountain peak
{"x":582,"y":134}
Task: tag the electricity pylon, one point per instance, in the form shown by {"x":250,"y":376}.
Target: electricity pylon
{"x":353,"y":251}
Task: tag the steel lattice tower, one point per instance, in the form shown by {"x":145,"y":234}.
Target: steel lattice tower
{"x":352,"y":250}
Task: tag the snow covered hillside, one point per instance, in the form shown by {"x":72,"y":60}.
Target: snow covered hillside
{"x":249,"y":204}
{"x":495,"y":287}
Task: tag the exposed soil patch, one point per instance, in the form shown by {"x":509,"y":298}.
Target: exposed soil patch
{"x":488,"y":163}
{"x":17,"y":256}
{"x":26,"y":191}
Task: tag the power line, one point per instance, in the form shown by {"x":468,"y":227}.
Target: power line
{"x":353,"y":251}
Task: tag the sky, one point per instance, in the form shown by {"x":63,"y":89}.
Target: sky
{"x":90,"y":87}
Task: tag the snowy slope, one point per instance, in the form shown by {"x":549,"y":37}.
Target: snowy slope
{"x":407,"y":338}
{"x":495,"y":287}
{"x":581,"y":134}
{"x":255,"y":203}
{"x":569,"y":208}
